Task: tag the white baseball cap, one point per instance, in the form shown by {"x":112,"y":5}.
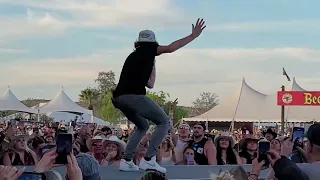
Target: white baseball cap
{"x":147,"y":36}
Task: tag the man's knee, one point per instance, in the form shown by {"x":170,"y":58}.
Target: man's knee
{"x":143,"y":126}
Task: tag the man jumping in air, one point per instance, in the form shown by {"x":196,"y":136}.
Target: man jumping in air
{"x":130,"y":97}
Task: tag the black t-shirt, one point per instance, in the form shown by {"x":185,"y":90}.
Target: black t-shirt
{"x":136,"y":70}
{"x":198,"y":147}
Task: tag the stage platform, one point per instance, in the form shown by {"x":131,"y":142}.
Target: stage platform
{"x":173,"y":172}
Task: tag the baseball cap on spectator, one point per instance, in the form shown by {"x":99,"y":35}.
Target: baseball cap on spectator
{"x":313,"y":134}
{"x":89,"y":167}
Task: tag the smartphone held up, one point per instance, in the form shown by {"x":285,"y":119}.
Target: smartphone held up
{"x":64,"y":147}
{"x":263,"y":148}
{"x":297,"y":136}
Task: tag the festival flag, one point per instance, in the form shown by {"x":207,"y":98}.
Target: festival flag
{"x":285,"y":74}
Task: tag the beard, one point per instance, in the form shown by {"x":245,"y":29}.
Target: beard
{"x":197,"y":136}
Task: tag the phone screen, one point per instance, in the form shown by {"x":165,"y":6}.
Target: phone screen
{"x":264,"y":147}
{"x":297,"y":135}
{"x":32,"y":176}
{"x":64,"y":147}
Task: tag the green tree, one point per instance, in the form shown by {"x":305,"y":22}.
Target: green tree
{"x":159,"y":97}
{"x":162,"y":99}
{"x":106,"y":81}
{"x":4,"y":113}
{"x":45,"y":119}
{"x":178,"y":113}
{"x":206,"y":101}
{"x":107,"y":111}
{"x":88,"y":95}
{"x":30,"y":102}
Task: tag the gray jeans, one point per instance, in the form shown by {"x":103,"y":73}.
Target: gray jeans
{"x":139,"y":109}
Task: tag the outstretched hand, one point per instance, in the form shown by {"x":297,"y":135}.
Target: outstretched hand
{"x":198,"y":28}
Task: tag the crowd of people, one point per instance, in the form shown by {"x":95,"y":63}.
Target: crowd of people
{"x":95,"y":146}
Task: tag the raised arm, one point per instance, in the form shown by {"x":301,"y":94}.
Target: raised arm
{"x":196,"y":31}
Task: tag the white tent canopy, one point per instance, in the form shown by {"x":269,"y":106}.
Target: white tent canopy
{"x":62,"y":103}
{"x":249,"y":105}
{"x":242,"y":104}
{"x":9,"y":102}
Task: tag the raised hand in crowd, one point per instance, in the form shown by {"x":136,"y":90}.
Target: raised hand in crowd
{"x":46,"y":162}
{"x":73,"y":169}
{"x":273,"y":156}
{"x":10,"y":173}
{"x":286,"y":148}
{"x":256,"y":168}
{"x":111,"y":155}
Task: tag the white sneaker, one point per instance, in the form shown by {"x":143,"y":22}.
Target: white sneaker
{"x":128,"y":166}
{"x":152,"y":164}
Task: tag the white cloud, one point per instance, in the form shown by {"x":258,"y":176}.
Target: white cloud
{"x":9,"y":50}
{"x":54,"y":16}
{"x":291,"y":26}
{"x":183,"y":74}
{"x":120,"y":13}
{"x":30,"y":24}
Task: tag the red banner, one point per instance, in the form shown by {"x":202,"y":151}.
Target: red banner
{"x":298,"y":98}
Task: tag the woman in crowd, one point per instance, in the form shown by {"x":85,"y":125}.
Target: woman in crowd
{"x":166,"y":154}
{"x":19,"y":154}
{"x":226,"y":154}
{"x":248,"y":150}
{"x":188,"y":157}
{"x":275,"y":144}
{"x":114,"y":150}
{"x":141,"y":151}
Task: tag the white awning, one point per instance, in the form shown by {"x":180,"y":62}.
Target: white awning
{"x":62,"y":103}
{"x":249,"y":105}
{"x":9,"y":102}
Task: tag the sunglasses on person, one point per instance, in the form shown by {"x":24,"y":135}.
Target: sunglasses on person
{"x":97,"y":144}
{"x":184,"y":127}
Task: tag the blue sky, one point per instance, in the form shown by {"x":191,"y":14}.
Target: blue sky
{"x":45,"y":44}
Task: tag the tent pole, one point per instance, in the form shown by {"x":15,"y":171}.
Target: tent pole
{"x":91,"y":111}
{"x":282,"y":114}
{"x":235,"y":112}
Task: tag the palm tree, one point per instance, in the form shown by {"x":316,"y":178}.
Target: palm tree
{"x":88,"y":95}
